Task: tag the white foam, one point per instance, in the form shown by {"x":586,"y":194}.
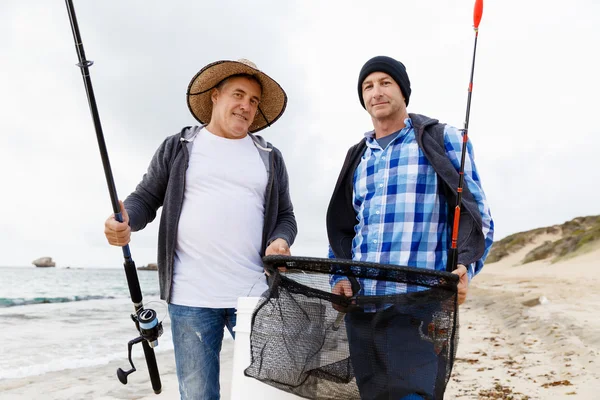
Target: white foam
{"x":74,"y":363}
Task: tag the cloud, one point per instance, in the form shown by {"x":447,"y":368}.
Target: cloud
{"x":533,"y":100}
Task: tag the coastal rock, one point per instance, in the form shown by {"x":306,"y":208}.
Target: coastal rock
{"x":149,"y":267}
{"x":44,"y":262}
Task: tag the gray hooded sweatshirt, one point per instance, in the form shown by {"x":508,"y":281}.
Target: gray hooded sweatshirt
{"x":164,"y":184}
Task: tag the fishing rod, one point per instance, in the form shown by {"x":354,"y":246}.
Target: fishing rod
{"x":453,"y":252}
{"x":145,"y":320}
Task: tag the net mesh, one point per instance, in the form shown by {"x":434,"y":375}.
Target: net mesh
{"x":376,"y":344}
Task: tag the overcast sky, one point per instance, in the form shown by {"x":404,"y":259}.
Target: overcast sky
{"x":532,"y":121}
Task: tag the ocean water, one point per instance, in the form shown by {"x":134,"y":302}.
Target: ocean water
{"x":53,"y":319}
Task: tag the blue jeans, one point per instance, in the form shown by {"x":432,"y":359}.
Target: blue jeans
{"x":197,"y":338}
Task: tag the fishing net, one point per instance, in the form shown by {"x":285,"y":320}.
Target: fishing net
{"x":315,"y":344}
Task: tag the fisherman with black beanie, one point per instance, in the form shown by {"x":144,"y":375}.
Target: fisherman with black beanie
{"x":393,"y":204}
{"x":392,"y":67}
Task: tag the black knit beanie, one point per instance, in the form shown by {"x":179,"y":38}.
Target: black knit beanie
{"x":392,"y":67}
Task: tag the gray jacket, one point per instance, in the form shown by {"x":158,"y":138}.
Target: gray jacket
{"x":164,"y":183}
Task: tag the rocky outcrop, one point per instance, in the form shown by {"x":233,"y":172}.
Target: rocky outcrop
{"x":44,"y":262}
{"x":149,"y":267}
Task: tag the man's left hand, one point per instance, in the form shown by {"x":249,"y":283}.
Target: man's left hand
{"x":278,"y":247}
{"x":463,"y":283}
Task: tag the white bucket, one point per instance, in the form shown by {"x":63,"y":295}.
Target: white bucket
{"x":243,"y":387}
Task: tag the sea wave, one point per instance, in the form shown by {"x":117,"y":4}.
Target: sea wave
{"x":68,"y":363}
{"x":10,"y":302}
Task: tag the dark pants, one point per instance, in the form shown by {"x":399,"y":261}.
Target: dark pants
{"x":390,"y":357}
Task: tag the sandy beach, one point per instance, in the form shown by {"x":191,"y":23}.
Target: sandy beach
{"x":514,"y":346}
{"x":527,"y":332}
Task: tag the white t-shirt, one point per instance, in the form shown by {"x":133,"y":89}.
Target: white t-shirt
{"x":217,"y":255}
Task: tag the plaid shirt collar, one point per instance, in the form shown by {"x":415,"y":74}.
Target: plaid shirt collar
{"x":370,"y":135}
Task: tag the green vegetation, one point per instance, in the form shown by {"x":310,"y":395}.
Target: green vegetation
{"x":516,"y":242}
{"x":577,"y":236}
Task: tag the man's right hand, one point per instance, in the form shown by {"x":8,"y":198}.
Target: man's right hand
{"x":342,"y":288}
{"x":118,"y":233}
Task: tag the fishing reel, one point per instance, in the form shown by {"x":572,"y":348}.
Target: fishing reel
{"x":150,"y":329}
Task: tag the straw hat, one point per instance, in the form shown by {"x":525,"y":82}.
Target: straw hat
{"x":272,"y":103}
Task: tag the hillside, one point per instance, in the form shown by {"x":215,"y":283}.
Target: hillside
{"x":559,"y":242}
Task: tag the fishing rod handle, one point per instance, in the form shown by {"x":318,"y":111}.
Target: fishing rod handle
{"x":152,"y":367}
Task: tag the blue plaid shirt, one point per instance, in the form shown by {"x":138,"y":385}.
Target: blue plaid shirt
{"x":402,"y":218}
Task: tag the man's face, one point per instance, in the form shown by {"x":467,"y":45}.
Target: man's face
{"x":382,"y":96}
{"x":234,"y":107}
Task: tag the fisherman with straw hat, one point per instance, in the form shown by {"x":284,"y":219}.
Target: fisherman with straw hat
{"x":226,"y":203}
